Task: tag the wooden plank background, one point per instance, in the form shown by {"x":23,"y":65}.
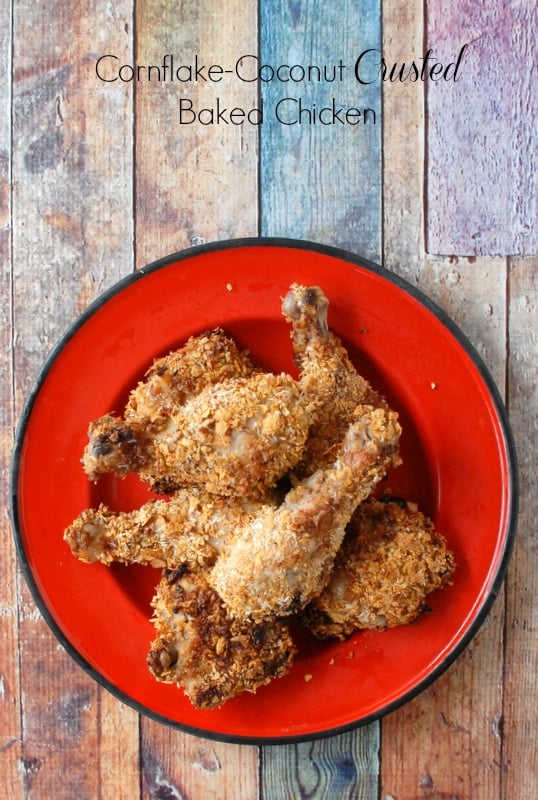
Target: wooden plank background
{"x":482,"y":132}
{"x":307,"y":169}
{"x":95,"y":181}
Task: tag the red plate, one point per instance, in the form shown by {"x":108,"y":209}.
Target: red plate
{"x":459,"y":465}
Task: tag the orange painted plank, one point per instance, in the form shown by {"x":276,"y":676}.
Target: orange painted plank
{"x":193,"y":183}
{"x":72,"y":237}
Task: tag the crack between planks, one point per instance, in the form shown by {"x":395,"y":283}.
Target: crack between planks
{"x":134,"y":33}
{"x":259,"y":211}
{"x":425,"y":209}
{"x":13,"y":404}
{"x":134,"y":21}
{"x":507,"y":360}
{"x":382,"y":150}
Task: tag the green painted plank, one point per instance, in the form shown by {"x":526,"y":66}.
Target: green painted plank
{"x":320,"y":159}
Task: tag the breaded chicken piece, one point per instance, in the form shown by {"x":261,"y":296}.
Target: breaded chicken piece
{"x":264,"y":557}
{"x":202,"y":649}
{"x":391,"y":559}
{"x":326,"y":373}
{"x":204,"y":360}
{"x":239,"y":436}
{"x":190,"y":529}
{"x":282,"y":559}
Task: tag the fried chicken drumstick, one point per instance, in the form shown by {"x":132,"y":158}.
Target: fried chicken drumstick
{"x":326,"y":373}
{"x":266,"y":558}
{"x":188,"y":529}
{"x":216,"y":434}
{"x":204,"y":416}
{"x":202,"y":649}
{"x":282,"y":558}
{"x":391,"y":559}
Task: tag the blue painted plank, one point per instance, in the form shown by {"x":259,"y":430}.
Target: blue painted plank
{"x":342,"y":767}
{"x":320,"y":158}
{"x":321,"y":179}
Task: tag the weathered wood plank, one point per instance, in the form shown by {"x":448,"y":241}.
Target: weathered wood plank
{"x":520,"y":778}
{"x":482,"y":134}
{"x":449,"y":738}
{"x":403,"y":145}
{"x":10,"y":730}
{"x":71,"y":171}
{"x":342,"y":767}
{"x":321,"y":181}
{"x":447,"y":741}
{"x":185,"y":767}
{"x":72,"y":236}
{"x":194,"y":183}
{"x":119,"y":756}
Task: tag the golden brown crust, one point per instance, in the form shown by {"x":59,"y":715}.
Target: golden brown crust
{"x":326,"y":374}
{"x":204,"y":416}
{"x":238,"y":437}
{"x":216,"y":433}
{"x":200,"y":648}
{"x":282,"y":558}
{"x":203,"y":361}
{"x":391,"y":559}
{"x":190,"y":528}
{"x":266,"y":558}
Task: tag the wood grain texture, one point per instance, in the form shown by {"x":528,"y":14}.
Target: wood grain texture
{"x":342,"y":767}
{"x":520,"y":761}
{"x":72,"y":237}
{"x":321,"y":182}
{"x":10,"y":728}
{"x":403,"y":146}
{"x":482,"y":134}
{"x":448,"y":741}
{"x":97,"y":178}
{"x":306,"y":171}
{"x":184,"y":767}
{"x":195,"y":182}
{"x":119,"y":755}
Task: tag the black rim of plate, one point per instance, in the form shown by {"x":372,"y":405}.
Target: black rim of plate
{"x":350,"y":258}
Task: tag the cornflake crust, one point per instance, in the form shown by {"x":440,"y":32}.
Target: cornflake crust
{"x":270,"y":513}
{"x":206,"y":652}
{"x":391,"y":559}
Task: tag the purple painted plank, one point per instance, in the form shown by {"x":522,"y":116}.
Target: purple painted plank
{"x":482,"y":134}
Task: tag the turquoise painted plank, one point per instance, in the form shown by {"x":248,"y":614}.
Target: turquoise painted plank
{"x":320,"y":152}
{"x":321,"y":179}
{"x":482,"y":144}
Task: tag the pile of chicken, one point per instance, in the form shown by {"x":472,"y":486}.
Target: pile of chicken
{"x":269,"y":514}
